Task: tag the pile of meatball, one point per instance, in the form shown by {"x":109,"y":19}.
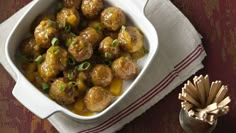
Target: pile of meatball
{"x":76,"y":50}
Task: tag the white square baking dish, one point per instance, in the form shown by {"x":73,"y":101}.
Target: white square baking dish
{"x":39,"y":103}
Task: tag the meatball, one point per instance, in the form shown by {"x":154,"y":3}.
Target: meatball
{"x":55,"y":61}
{"x":125,"y":68}
{"x":72,"y":3}
{"x":80,"y":49}
{"x":131,"y":39}
{"x":91,"y":35}
{"x":97,"y":99}
{"x":30,"y":48}
{"x":68,"y":17}
{"x":40,"y":17}
{"x":62,"y":92}
{"x":113,"y":18}
{"x":101,"y":75}
{"x":91,"y":8}
{"x":44,"y":32}
{"x":109,"y":48}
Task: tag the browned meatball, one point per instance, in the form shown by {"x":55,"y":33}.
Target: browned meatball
{"x":91,"y":8}
{"x":62,"y":92}
{"x":68,"y":17}
{"x":80,"y":49}
{"x":91,"y":35}
{"x":109,"y":48}
{"x":131,"y":39}
{"x":55,"y":61}
{"x":101,"y":75}
{"x":40,"y":17}
{"x":97,"y":99}
{"x":125,"y":68}
{"x":44,"y":32}
{"x":72,"y":3}
{"x":30,"y":48}
{"x":113,"y":18}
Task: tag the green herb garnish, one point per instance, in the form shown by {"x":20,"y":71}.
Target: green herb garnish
{"x":123,"y":28}
{"x":72,"y":84}
{"x":50,"y":22}
{"x":98,"y":27}
{"x":54,"y":51}
{"x":71,"y":61}
{"x":67,"y":28}
{"x":73,"y":34}
{"x":84,"y":66}
{"x":59,"y":6}
{"x":45,"y":86}
{"x":107,"y":55}
{"x":70,"y":75}
{"x":109,"y":11}
{"x":115,"y":43}
{"x":68,"y":41}
{"x":108,"y":62}
{"x":73,"y":42}
{"x":39,"y":59}
{"x":62,"y":87}
{"x":145,"y":51}
{"x":54,"y":41}
{"x":23,"y":59}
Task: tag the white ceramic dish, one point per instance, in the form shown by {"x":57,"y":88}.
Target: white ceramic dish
{"x":39,"y":103}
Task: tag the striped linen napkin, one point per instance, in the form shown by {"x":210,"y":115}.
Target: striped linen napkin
{"x":180,"y":55}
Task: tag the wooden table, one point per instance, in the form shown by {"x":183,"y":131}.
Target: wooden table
{"x":214,"y":19}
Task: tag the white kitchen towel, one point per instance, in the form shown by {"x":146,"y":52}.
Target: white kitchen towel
{"x":180,"y":55}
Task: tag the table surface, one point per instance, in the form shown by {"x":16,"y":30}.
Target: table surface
{"x":216,"y":22}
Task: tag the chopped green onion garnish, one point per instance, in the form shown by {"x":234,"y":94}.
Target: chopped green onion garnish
{"x":73,"y":42}
{"x":59,"y":6}
{"x":108,"y":55}
{"x":39,"y":59}
{"x":45,"y":86}
{"x":62,"y":87}
{"x":72,"y":83}
{"x":54,"y":51}
{"x":115,"y":43}
{"x":98,"y":27}
{"x":64,"y":23}
{"x":71,"y":61}
{"x":70,"y":75}
{"x":107,"y":62}
{"x":67,"y":28}
{"x":108,"y":11}
{"x":68,"y":41}
{"x":145,"y":51}
{"x":54,"y":41}
{"x":123,"y":28}
{"x":50,"y":21}
{"x":22,"y":58}
{"x":73,"y":34}
{"x":84,"y":66}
